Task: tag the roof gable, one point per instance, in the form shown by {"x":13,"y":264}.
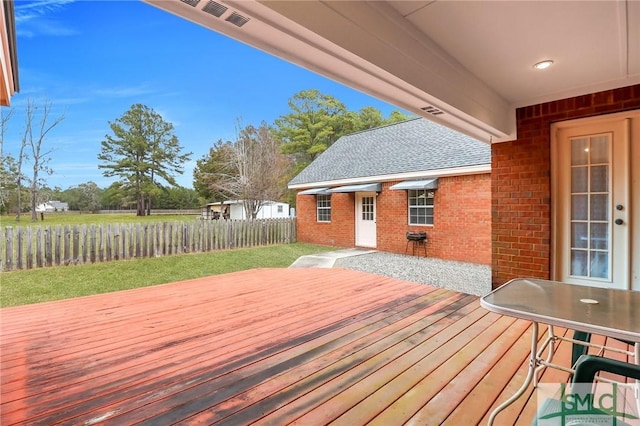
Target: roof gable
{"x":416,"y":145}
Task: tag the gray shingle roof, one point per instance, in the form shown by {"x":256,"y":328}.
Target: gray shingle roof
{"x":410,"y":146}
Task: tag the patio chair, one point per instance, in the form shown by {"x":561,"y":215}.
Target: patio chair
{"x":589,"y":365}
{"x":586,"y":368}
{"x":578,"y":350}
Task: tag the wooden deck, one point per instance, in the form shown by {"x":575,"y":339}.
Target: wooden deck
{"x":267,"y":346}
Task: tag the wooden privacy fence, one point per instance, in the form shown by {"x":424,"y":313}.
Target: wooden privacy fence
{"x":40,"y":246}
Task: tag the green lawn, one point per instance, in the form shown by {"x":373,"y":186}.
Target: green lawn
{"x":63,"y":282}
{"x":90,"y":218}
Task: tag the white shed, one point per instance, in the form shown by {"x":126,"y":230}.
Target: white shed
{"x":52,"y":206}
{"x":234,"y":209}
{"x":269,"y":210}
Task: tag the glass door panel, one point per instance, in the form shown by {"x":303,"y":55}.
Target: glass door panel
{"x":590,"y":206}
{"x":367,"y":208}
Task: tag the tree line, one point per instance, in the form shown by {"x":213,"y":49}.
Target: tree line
{"x":259,"y":163}
{"x":144,"y":155}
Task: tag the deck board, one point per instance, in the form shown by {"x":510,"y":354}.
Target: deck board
{"x":372,"y":374}
{"x":514,"y":356}
{"x":266,"y":346}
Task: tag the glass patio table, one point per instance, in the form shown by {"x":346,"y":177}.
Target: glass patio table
{"x":603,"y":311}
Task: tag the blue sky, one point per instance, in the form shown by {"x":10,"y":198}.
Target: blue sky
{"x":94,"y":59}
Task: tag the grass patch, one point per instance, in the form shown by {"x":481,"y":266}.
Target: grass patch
{"x":93,"y":219}
{"x":63,"y":282}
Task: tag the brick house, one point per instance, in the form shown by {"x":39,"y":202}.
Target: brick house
{"x":372,"y":187}
{"x":483,"y":68}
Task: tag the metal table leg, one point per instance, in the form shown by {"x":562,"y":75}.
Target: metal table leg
{"x":528,"y":379}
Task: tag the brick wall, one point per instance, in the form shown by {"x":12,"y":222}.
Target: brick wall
{"x":340,"y":232}
{"x":462,"y":220}
{"x":521,"y":182}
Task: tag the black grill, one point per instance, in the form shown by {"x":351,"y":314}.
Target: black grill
{"x":416,"y":239}
{"x":416,"y":236}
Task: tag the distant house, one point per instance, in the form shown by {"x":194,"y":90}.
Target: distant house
{"x":234,"y":209}
{"x":370,"y":188}
{"x":52,"y":206}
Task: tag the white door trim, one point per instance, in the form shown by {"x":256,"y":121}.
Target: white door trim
{"x":627,"y":128}
{"x":366,"y":232}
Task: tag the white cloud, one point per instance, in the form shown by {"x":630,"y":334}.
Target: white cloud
{"x":28,"y":10}
{"x":32,"y":19}
{"x":124,"y":92}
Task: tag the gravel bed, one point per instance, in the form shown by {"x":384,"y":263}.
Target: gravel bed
{"x":463,"y":277}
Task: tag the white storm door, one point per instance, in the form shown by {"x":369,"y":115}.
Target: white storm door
{"x":592,"y":202}
{"x":366,"y":219}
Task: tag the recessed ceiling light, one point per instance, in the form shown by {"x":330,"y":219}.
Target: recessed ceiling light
{"x":543,"y":64}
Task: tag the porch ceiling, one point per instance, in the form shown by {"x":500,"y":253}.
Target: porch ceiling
{"x":465,"y":64}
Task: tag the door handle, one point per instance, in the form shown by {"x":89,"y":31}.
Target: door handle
{"x":619,"y":221}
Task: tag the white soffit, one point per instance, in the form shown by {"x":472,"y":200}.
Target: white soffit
{"x":297,"y":41}
{"x":389,"y":44}
{"x":464,"y":64}
{"x":595,"y":45}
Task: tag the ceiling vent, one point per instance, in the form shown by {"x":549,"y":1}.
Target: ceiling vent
{"x":432,"y":110}
{"x":193,"y":3}
{"x":237,"y":19}
{"x":215,"y":9}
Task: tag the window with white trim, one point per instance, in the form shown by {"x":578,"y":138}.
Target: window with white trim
{"x":420,"y":207}
{"x":323,"y":208}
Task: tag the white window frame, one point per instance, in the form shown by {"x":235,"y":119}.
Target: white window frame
{"x":323,"y":204}
{"x":414,"y":194}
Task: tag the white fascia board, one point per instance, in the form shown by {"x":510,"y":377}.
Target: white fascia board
{"x":374,"y":49}
{"x":408,"y":71}
{"x":454,"y":171}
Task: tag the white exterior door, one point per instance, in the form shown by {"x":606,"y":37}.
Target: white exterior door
{"x":593,"y":210}
{"x":366,"y":219}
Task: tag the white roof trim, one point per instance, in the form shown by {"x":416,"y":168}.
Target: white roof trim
{"x":455,"y":171}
